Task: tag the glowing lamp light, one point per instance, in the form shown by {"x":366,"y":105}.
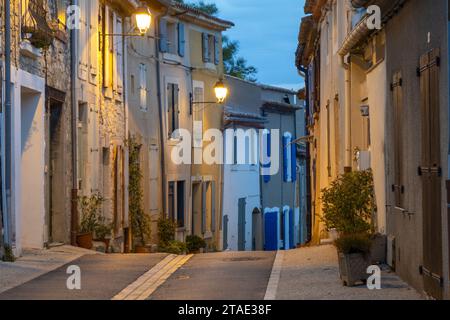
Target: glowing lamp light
{"x":143,"y":19}
{"x":221,"y":91}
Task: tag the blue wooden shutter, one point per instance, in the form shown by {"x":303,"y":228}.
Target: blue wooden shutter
{"x":216,"y":51}
{"x":285,"y":158}
{"x":163,"y":47}
{"x":205,"y":47}
{"x":181,"y":40}
{"x":269,"y":154}
{"x":294,"y":161}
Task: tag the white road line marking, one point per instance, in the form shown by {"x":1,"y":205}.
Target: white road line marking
{"x":272,"y":286}
{"x":145,"y":285}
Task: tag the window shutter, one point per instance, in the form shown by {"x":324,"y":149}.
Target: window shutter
{"x":181,"y":40}
{"x":93,"y":34}
{"x":216,"y":50}
{"x":119,"y":55}
{"x":176,"y":106}
{"x":293,"y":161}
{"x":106,"y":49}
{"x":143,"y":86}
{"x":286,"y":158}
{"x":268,"y":150}
{"x":170,"y":113}
{"x":204,"y":207}
{"x":205,"y":47}
{"x":213,"y":206}
{"x":397,"y":97}
{"x":83,"y":41}
{"x":163,"y":45}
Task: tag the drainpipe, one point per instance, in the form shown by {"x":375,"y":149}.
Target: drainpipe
{"x":309,"y":217}
{"x":74,"y":102}
{"x":160,"y":108}
{"x":6,"y":196}
{"x":348,"y":116}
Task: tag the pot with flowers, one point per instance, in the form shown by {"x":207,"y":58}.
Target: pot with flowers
{"x":348,"y":207}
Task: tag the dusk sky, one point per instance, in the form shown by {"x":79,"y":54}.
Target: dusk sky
{"x":267,"y":31}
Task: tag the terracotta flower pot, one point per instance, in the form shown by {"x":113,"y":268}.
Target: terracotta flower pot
{"x":84,"y":240}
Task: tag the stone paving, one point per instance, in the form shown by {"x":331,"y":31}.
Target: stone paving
{"x":312,"y":273}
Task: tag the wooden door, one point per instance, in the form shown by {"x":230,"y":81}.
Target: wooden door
{"x":432,"y":269}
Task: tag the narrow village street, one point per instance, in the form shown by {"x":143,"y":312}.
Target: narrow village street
{"x":304,"y":274}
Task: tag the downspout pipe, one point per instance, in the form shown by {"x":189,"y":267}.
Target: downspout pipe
{"x":7,"y":192}
{"x":348,"y":115}
{"x":309,"y":216}
{"x":160,"y":113}
{"x":74,"y":104}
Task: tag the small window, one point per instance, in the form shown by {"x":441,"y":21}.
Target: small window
{"x":172,"y":38}
{"x":173,"y":109}
{"x":171,"y":199}
{"x":180,"y":203}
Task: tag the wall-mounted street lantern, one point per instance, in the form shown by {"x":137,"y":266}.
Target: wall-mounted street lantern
{"x":143,"y":19}
{"x":221,"y":92}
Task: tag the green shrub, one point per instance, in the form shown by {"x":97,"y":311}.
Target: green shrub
{"x":166,"y":231}
{"x":140,"y":221}
{"x":194,"y":243}
{"x":174,"y":247}
{"x":90,"y":209}
{"x":349,"y":203}
{"x":104,"y":228}
{"x":354,"y":243}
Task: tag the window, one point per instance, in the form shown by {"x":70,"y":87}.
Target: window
{"x":180,"y":204}
{"x":198,"y":114}
{"x":210,"y":48}
{"x":171,"y":199}
{"x":289,"y":158}
{"x":142,"y":87}
{"x":173,"y":107}
{"x":328,"y":139}
{"x":397,"y":99}
{"x":172,"y":38}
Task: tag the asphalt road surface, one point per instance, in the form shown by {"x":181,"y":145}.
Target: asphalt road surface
{"x":102,"y":276}
{"x":220,"y":276}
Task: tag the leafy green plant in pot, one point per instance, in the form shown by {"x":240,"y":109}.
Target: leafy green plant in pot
{"x":90,"y":208}
{"x":195,"y":243}
{"x":140,"y":221}
{"x":103,"y":231}
{"x":166,"y":233}
{"x":348,"y":206}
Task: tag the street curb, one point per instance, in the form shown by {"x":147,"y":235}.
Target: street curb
{"x":272,"y":286}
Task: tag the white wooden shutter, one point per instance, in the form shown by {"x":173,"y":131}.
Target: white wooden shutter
{"x":83,"y":46}
{"x":106,"y":50}
{"x":143,"y":86}
{"x":119,"y":55}
{"x":93,"y":34}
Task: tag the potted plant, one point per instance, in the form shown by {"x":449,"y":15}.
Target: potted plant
{"x":103,"y":231}
{"x":89,"y":209}
{"x":139,"y":220}
{"x":348,"y":207}
{"x":195,"y":243}
{"x":166,"y":232}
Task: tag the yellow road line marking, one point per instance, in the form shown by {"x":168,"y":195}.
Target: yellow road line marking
{"x":144,"y":287}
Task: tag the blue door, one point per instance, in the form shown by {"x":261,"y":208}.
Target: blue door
{"x":271,"y":231}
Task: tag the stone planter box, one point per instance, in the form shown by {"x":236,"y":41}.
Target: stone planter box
{"x":353,"y":268}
